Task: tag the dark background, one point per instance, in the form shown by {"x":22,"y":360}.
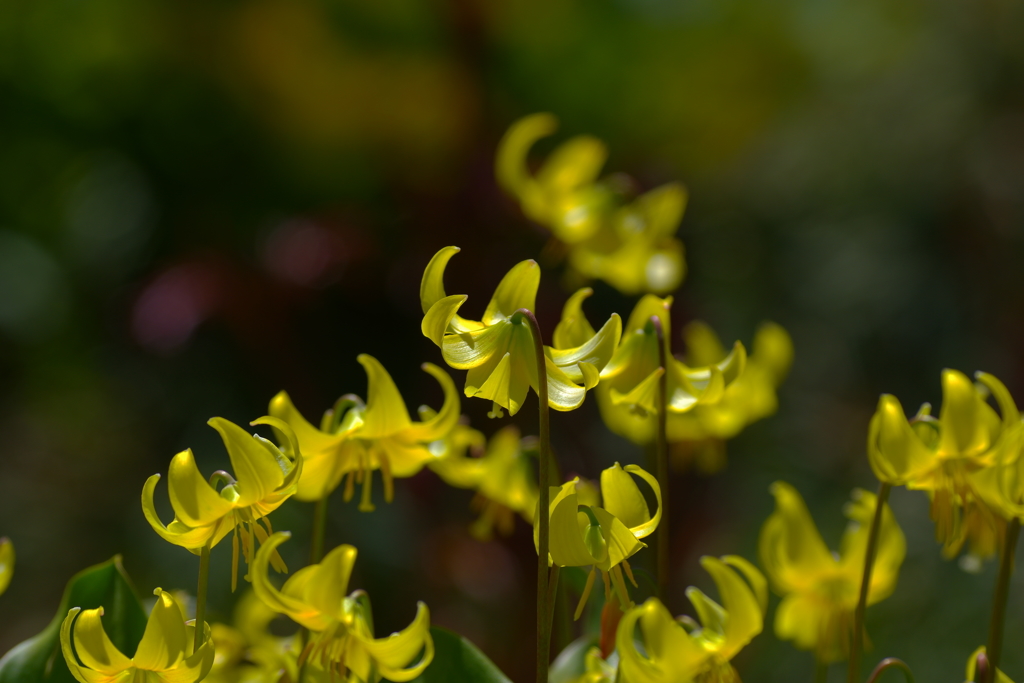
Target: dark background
{"x":204,"y":202}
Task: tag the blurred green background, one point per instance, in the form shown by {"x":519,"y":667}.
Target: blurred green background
{"x":204,"y":202}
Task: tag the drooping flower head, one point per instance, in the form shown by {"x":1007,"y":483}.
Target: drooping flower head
{"x":628,"y":392}
{"x":628,"y":244}
{"x":355,"y":439}
{"x":6,"y":563}
{"x":499,"y":351}
{"x":602,"y":537}
{"x":164,"y":655}
{"x":342,"y":644}
{"x":674,"y":653}
{"x":502,"y":476}
{"x":958,"y":458}
{"x":819,"y":588}
{"x":248,"y":652}
{"x":205,"y":511}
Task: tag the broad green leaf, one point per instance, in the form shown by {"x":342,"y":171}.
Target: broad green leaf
{"x":39,"y":659}
{"x":457,"y":659}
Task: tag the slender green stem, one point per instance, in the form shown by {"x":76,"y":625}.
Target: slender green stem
{"x":552,"y":595}
{"x":316,"y":550}
{"x":661,"y":457}
{"x":204,"y":579}
{"x":995,"y":629}
{"x":820,"y":671}
{"x":888,"y":663}
{"x":543,"y":503}
{"x":853,"y":673}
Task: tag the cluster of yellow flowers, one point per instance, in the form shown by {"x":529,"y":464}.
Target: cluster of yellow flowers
{"x":968,"y":460}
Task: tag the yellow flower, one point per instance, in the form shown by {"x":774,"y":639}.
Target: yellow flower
{"x":595,"y":669}
{"x":602,"y":538}
{"x":503,"y":477}
{"x":748,"y":397}
{"x":956,"y":458}
{"x":341,"y":627}
{"x":674,"y":653}
{"x":6,"y":563}
{"x":355,"y":439}
{"x":628,"y":245}
{"x":163,"y":656}
{"x":203,"y":514}
{"x":248,"y":652}
{"x":819,"y":588}
{"x":628,"y":392}
{"x":499,"y":352}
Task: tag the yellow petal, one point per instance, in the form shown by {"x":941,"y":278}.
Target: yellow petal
{"x":322,"y":471}
{"x":1010,"y":413}
{"x":669,"y":652}
{"x":394,"y":655}
{"x":563,"y":393}
{"x":753,"y":576}
{"x":895,"y":451}
{"x":6,"y":563}
{"x":573,"y":329}
{"x":644,"y":396}
{"x":311,"y":440}
{"x":573,"y":164}
{"x":386,"y":413}
{"x":518,"y":289}
{"x":195,"y":502}
{"x":327,"y":586}
{"x":773,"y":350}
{"x":597,"y":350}
{"x":622,"y":544}
{"x":961,"y":415}
{"x":651,"y":306}
{"x":432,"y":283}
{"x":163,"y":644}
{"x":473,"y":349}
{"x":437,"y":320}
{"x":281,"y":602}
{"x":510,"y":162}
{"x":791,"y":548}
{"x":799,"y":618}
{"x":566,"y":541}
{"x":622,"y":497}
{"x":658,"y":211}
{"x":892,"y":545}
{"x":257,"y":470}
{"x":746,"y":617}
{"x":95,"y":651}
{"x":441,"y":423}
{"x":703,"y":346}
{"x":177,"y":533}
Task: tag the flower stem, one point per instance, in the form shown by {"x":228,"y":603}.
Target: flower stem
{"x":853,"y":673}
{"x":888,"y":663}
{"x":661,"y":469}
{"x":820,"y":671}
{"x":543,"y":503}
{"x":204,"y":579}
{"x":316,"y":550}
{"x":995,"y":629}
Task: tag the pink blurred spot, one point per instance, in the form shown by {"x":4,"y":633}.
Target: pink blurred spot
{"x":171,"y":308}
{"x":305,"y":253}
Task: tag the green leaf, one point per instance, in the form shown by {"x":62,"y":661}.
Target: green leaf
{"x":39,"y":659}
{"x":570,"y":663}
{"x":456,"y":659}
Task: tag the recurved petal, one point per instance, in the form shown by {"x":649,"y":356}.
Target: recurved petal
{"x":257,"y":470}
{"x":574,"y":163}
{"x":895,"y":452}
{"x":196,"y":666}
{"x":163,"y":644}
{"x":1007,"y":406}
{"x":598,"y":350}
{"x":311,"y":440}
{"x":712,"y":618}
{"x":648,"y":307}
{"x":296,"y":609}
{"x":95,"y":651}
{"x":510,"y":163}
{"x":437,"y":320}
{"x":961,"y":415}
{"x":327,"y":586}
{"x":563,"y":393}
{"x":758,"y":583}
{"x":195,"y":502}
{"x":648,"y":527}
{"x":791,"y":548}
{"x":440,"y":424}
{"x":573,"y":329}
{"x":322,"y":472}
{"x":386,"y":413}
{"x":518,"y":289}
{"x":671,"y":654}
{"x":177,"y":533}
{"x":395,"y":654}
{"x":644,"y":396}
{"x":507,"y":385}
{"x":432,"y":283}
{"x":745,"y":615}
{"x":798,"y":618}
{"x":703,"y":347}
{"x":622,"y":497}
{"x":892,"y":545}
{"x":6,"y":563}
